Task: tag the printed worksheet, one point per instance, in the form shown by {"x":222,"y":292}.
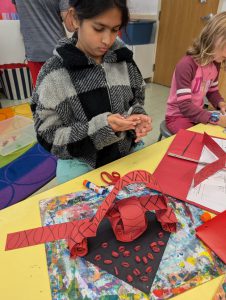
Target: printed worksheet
{"x":211,"y":192}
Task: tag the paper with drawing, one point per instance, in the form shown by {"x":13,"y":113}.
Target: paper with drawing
{"x":212,"y":191}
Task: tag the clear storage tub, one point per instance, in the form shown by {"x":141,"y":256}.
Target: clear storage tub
{"x":16,"y":133}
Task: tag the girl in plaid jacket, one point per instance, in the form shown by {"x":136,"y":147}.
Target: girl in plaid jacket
{"x":88,"y":101}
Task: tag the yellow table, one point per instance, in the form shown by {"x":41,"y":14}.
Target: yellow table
{"x":23,"y":272}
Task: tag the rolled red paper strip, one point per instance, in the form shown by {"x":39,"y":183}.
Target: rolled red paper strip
{"x":77,"y":232}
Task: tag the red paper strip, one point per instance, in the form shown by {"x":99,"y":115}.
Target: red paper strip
{"x":126,"y":216}
{"x":212,"y":145}
{"x":213,"y":167}
{"x":209,"y":170}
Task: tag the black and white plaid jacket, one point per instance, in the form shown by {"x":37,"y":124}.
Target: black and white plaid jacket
{"x":74,"y":96}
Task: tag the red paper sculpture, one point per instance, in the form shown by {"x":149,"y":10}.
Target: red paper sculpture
{"x":127,"y":218}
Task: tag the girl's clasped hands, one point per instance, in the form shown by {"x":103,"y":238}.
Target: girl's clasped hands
{"x":140,"y":123}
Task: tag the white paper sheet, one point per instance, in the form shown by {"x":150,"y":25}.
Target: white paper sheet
{"x":211,"y":193}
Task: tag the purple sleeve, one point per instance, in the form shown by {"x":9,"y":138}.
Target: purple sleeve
{"x":194,"y":113}
{"x":214,"y":96}
{"x":184,"y":74}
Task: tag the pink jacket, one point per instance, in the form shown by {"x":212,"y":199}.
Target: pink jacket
{"x":190,"y":84}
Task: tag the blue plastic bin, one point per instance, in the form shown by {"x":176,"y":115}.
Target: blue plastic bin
{"x":139,"y":32}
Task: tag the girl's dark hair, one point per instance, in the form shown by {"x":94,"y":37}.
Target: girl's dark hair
{"x":87,"y":9}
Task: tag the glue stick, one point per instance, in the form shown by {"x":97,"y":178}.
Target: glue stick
{"x":97,"y":189}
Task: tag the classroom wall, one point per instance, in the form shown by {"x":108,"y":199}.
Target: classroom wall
{"x":144,"y":54}
{"x":223,"y":5}
{"x":143,"y":6}
{"x":11,"y":41}
{"x":151,"y":6}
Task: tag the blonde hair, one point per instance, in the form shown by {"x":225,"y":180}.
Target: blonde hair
{"x":213,"y":35}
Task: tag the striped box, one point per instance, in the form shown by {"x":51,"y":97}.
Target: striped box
{"x":16,"y":83}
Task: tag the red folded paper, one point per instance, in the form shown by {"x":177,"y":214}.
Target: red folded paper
{"x":175,"y":175}
{"x":127,"y":218}
{"x":213,"y":234}
{"x":213,"y":167}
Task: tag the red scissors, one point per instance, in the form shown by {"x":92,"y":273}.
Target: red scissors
{"x":110,"y":178}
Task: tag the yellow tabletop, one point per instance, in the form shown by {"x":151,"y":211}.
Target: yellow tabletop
{"x":23,"y":272}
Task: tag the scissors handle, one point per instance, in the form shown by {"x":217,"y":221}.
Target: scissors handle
{"x":115,"y":175}
{"x":110,"y":178}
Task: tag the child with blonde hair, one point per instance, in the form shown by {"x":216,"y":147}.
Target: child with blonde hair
{"x":196,"y":76}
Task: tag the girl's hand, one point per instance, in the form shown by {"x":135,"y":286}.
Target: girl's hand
{"x":222,"y":106}
{"x":144,"y":127}
{"x":119,"y":123}
{"x":142,"y":131}
{"x":222,"y":121}
{"x":142,"y":118}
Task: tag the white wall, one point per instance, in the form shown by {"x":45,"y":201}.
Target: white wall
{"x":143,"y":6}
{"x":144,"y":54}
{"x":223,"y":5}
{"x":11,"y":41}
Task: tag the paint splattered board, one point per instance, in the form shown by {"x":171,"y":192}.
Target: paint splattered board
{"x":186,"y":262}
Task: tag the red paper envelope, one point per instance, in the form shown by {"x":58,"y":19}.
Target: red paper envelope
{"x":175,"y":175}
{"x":213,"y":234}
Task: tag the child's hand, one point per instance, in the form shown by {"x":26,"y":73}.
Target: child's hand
{"x":222,"y":121}
{"x":144,"y":127}
{"x":119,"y":123}
{"x":222,"y":106}
{"x":142,"y":131}
{"x":143,"y":119}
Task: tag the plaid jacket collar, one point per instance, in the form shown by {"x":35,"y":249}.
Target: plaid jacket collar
{"x":74,"y":58}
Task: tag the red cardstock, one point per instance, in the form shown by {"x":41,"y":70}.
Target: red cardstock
{"x":127,"y":218}
{"x":213,"y":167}
{"x":213,"y":234}
{"x":175,"y":175}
